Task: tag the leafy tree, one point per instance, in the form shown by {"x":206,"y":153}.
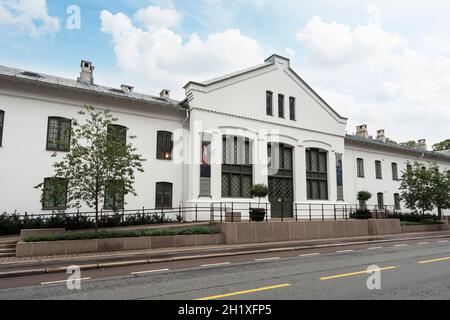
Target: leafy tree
{"x":440,"y":182}
{"x":100,"y":162}
{"x":441,"y":146}
{"x":417,"y":188}
{"x":411,"y":144}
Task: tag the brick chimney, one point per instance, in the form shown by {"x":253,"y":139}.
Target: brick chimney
{"x":361,"y":131}
{"x":126,"y":88}
{"x":165,"y":94}
{"x":381,"y":136}
{"x":87,"y":73}
{"x":422,"y":145}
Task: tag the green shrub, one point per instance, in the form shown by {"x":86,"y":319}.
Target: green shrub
{"x":13,"y":223}
{"x":122,"y":234}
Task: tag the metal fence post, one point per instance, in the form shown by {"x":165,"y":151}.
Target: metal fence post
{"x":323,"y":213}
{"x":196,"y":212}
{"x":221,"y":213}
{"x":334,"y":209}
{"x":267,"y":213}
{"x":310,"y":213}
{"x":346,"y":213}
{"x":296,"y":212}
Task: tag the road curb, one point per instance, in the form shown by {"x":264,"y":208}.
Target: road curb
{"x":31,"y":272}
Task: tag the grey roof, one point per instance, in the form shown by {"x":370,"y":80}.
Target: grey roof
{"x":54,"y":81}
{"x":397,"y":147}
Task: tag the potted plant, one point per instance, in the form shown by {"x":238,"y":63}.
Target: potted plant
{"x":258,"y":191}
{"x":363,"y":212}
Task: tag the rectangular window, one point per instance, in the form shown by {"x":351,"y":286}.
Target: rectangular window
{"x":397,"y":201}
{"x":205,"y":166}
{"x":378,"y":170}
{"x":164,"y":145}
{"x":316,"y":174}
{"x":280,"y":106}
{"x":55,"y":194}
{"x":269,"y":103}
{"x":237,"y":167}
{"x":2,"y":120}
{"x":409,"y":168}
{"x":380,"y":200}
{"x":360,"y":167}
{"x":394,"y":172}
{"x":164,"y":195}
{"x":292,"y":108}
{"x":118,"y":133}
{"x":58,"y":134}
{"x":340,"y":176}
{"x":114,"y":195}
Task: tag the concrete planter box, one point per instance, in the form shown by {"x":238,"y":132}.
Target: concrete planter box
{"x":51,"y":248}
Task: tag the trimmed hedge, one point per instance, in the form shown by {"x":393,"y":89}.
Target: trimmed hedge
{"x":122,"y":234}
{"x":12,"y":224}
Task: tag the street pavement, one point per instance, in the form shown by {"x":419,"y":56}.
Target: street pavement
{"x":408,"y":269}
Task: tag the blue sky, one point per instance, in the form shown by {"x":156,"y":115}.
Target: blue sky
{"x":378,"y":62}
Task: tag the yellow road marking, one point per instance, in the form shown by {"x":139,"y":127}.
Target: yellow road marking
{"x":356,"y":273}
{"x":434,"y":260}
{"x":232,"y":294}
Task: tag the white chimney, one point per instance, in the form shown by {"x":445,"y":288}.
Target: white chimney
{"x":381,"y":136}
{"x":126,"y":88}
{"x":87,"y":72}
{"x":422,"y":145}
{"x":165,"y":93}
{"x":361,"y":131}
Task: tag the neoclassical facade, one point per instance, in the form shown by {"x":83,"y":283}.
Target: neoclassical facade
{"x":263,"y":125}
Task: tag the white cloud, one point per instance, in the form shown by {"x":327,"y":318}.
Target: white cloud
{"x":377,"y":77}
{"x":166,"y":59}
{"x":158,"y":18}
{"x":28,"y":16}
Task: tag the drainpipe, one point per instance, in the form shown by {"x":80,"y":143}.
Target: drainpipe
{"x":188,"y":113}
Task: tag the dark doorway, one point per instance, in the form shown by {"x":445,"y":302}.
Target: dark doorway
{"x":281,"y":180}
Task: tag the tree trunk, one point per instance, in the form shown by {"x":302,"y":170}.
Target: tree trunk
{"x":440,"y":213}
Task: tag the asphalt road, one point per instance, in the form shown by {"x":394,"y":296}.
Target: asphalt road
{"x":408,"y":270}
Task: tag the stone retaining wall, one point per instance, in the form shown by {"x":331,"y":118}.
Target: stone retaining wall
{"x":50,"y":248}
{"x":263,"y":232}
{"x":425,"y":228}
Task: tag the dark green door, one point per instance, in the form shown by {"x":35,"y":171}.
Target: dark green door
{"x":281,"y":197}
{"x":281,"y":180}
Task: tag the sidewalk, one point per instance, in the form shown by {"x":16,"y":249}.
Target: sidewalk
{"x":10,"y":267}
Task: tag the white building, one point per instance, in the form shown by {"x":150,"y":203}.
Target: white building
{"x":263,"y":125}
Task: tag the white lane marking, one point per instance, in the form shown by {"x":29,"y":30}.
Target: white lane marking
{"x":149,"y":271}
{"x":443,"y":241}
{"x":374,"y":248}
{"x":344,"y":251}
{"x":309,"y":254}
{"x":400,"y":245}
{"x":267,"y":259}
{"x":64,"y":281}
{"x":422,"y":243}
{"x":216,"y":264}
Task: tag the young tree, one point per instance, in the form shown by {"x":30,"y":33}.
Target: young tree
{"x":417,"y":189}
{"x":440,"y":182}
{"x":100,"y":163}
{"x":444,"y":145}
